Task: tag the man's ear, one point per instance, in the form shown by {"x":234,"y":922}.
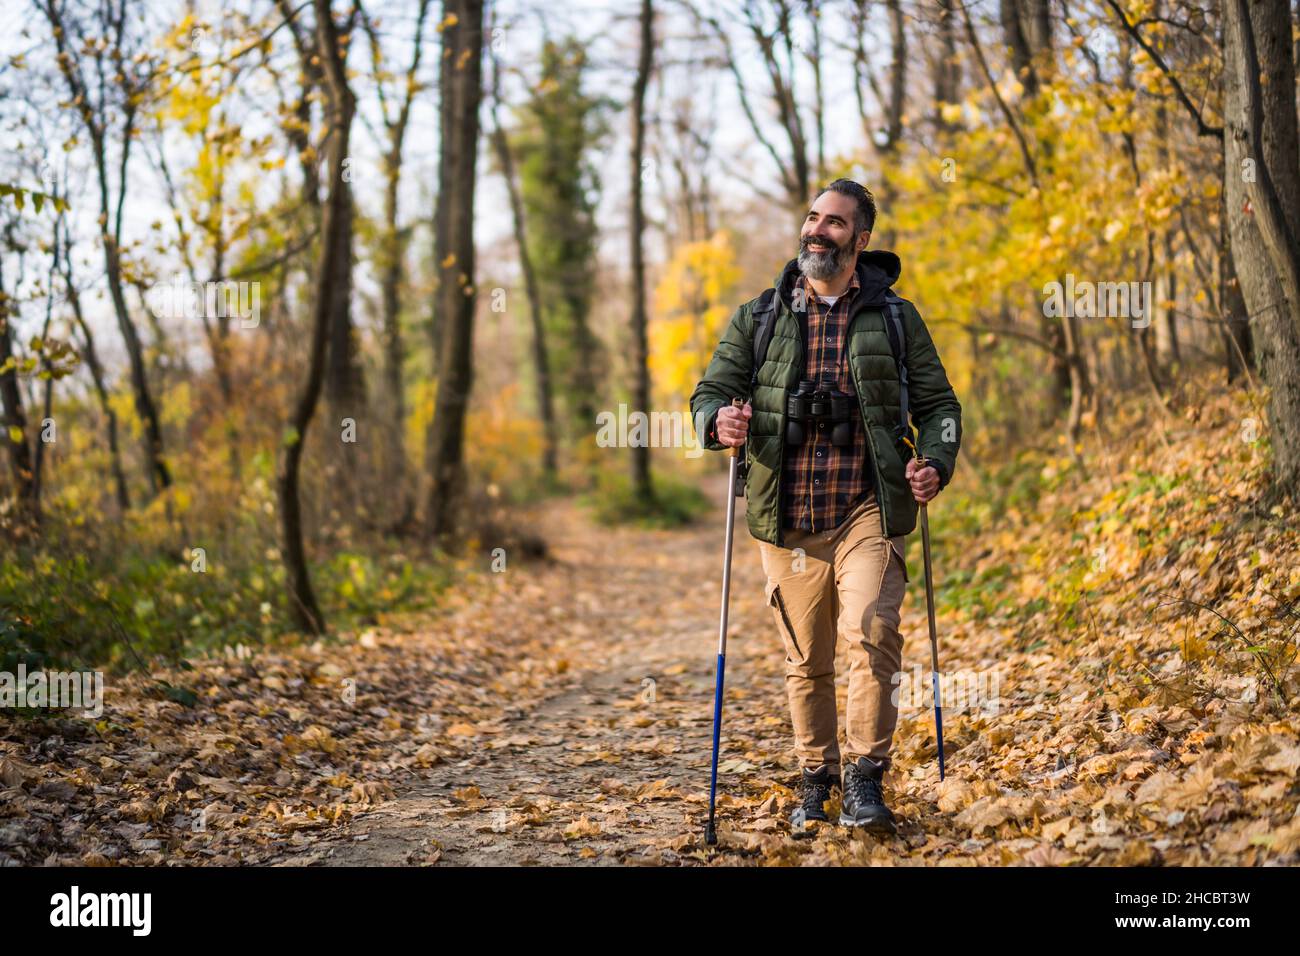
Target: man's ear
{"x":863,"y":239}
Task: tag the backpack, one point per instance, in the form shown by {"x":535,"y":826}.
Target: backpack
{"x":765,"y":320}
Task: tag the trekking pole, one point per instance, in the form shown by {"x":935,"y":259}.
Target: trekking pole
{"x":710,"y":834}
{"x":929,"y":606}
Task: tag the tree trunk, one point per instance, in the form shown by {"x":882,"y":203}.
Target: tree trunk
{"x":1239,"y":352}
{"x":342,"y":106}
{"x":159,"y":475}
{"x":391,"y":266}
{"x":1167,"y":281}
{"x":945,"y":65}
{"x":345,"y":390}
{"x":897,"y":74}
{"x":1016,"y":39}
{"x":14,"y":432}
{"x":344,"y":380}
{"x":1080,"y":387}
{"x":541,"y":360}
{"x":38,"y":440}
{"x":91,"y":355}
{"x":1038,"y":23}
{"x":461,"y":86}
{"x":1058,"y":365}
{"x":641,"y":486}
{"x":1262,"y":175}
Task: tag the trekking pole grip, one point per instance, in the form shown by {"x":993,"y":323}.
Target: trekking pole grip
{"x":733,"y":451}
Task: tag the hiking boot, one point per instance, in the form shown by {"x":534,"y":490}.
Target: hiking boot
{"x":863,"y":804}
{"x":814,"y":791}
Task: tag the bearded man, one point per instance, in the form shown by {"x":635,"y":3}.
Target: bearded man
{"x":831,"y":361}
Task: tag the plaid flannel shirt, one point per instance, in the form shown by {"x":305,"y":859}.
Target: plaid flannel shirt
{"x":821,"y":483}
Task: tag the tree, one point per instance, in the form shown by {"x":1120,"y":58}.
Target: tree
{"x":14,"y":420}
{"x":1012,"y":14}
{"x":344,"y":381}
{"x":946,"y":73}
{"x":91,"y":355}
{"x":393,"y":242}
{"x":460,"y":82}
{"x":886,"y":139}
{"x":107,"y":82}
{"x":556,"y":131}
{"x":342,"y":106}
{"x":641,"y":485}
{"x":770,"y":24}
{"x":541,"y":358}
{"x":1261,"y":152}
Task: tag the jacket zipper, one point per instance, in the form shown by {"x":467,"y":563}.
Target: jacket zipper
{"x":854,"y":312}
{"x":780,"y":463}
{"x":871,"y":444}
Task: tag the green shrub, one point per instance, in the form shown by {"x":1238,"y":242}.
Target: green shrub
{"x":673,"y":504}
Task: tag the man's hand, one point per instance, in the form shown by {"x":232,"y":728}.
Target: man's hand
{"x":733,"y":424}
{"x":924,"y":480}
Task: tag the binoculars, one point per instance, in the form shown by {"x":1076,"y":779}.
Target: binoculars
{"x":810,"y":407}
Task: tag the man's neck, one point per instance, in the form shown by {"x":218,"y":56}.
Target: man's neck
{"x":835,"y":285}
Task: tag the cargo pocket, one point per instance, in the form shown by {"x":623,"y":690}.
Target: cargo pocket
{"x":776,"y":602}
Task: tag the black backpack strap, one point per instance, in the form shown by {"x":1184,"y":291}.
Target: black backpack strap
{"x":898,"y":345}
{"x":764,"y":323}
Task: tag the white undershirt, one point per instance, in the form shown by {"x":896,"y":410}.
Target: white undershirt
{"x":829,"y":299}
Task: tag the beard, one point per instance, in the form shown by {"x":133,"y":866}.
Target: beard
{"x":820,"y":265}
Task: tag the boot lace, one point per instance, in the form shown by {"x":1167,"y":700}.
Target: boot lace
{"x":815,"y":793}
{"x":865,"y":790}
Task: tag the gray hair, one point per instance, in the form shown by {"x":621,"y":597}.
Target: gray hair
{"x":864,"y":213}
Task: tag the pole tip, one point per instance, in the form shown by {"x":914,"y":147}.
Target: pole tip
{"x":710,"y":834}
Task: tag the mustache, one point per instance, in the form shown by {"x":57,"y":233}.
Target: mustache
{"x":830,"y":247}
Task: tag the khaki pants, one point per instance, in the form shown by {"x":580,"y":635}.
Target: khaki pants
{"x":847,"y":582}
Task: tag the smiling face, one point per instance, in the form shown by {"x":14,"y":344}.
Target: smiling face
{"x":828,"y":242}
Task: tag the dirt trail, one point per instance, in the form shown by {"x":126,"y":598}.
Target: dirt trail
{"x":601,"y":755}
{"x":614,"y":769}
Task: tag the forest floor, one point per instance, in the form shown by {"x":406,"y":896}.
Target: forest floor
{"x":560,"y":711}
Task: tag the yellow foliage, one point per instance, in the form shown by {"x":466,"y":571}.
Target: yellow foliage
{"x":421,"y":397}
{"x":694,"y":299}
{"x":979,"y":237}
{"x":501,"y":443}
{"x":123,"y":404}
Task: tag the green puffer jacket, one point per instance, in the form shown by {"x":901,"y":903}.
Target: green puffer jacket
{"x":936,"y":413}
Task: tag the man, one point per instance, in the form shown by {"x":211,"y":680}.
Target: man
{"x":832,"y":486}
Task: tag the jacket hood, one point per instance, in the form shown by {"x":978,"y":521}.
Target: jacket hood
{"x":877,"y":271}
